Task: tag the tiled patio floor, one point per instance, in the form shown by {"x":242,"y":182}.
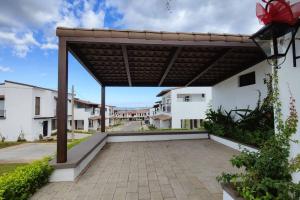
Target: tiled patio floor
{"x":170,"y":170}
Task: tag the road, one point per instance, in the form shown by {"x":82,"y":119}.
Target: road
{"x":26,"y":152}
{"x":128,"y":126}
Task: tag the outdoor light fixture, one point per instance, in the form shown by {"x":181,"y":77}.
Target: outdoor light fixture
{"x":275,"y":40}
{"x":276,"y":37}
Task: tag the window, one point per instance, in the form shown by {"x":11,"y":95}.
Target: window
{"x":191,"y":123}
{"x":53,"y":124}
{"x":2,"y":111}
{"x":37,"y":105}
{"x":91,"y":124}
{"x":186,"y":99}
{"x":247,"y":79}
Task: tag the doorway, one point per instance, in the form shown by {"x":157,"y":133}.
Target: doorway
{"x":45,"y":128}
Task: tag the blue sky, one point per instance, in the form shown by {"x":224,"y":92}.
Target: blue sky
{"x":28,"y":46}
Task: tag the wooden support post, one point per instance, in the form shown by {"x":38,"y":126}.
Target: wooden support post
{"x":62,"y":101}
{"x":102,"y":109}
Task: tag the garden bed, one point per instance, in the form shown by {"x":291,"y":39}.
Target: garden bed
{"x":233,"y":143}
{"x":229,"y":193}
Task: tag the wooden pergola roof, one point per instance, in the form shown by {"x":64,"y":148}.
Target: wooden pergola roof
{"x":147,"y":58}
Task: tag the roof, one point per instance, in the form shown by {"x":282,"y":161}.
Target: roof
{"x":28,"y":85}
{"x":163,"y":92}
{"x":85,"y":102}
{"x":150,"y":58}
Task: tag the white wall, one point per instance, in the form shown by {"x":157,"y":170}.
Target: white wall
{"x":165,"y":123}
{"x":189,"y":110}
{"x":289,"y":80}
{"x":18,"y":108}
{"x":228,"y":93}
{"x":20,"y":111}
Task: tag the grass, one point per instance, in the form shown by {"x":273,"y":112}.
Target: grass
{"x":8,"y":167}
{"x":8,"y":144}
{"x":76,"y":142}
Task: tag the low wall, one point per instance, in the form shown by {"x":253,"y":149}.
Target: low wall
{"x":80,"y":156}
{"x":229,"y":193}
{"x":156,"y":136}
{"x":232,"y":144}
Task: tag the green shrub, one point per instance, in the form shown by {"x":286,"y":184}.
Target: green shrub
{"x":267,"y":173}
{"x":24,"y":181}
{"x":252,"y":127}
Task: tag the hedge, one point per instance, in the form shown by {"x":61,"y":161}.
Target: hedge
{"x":24,"y":181}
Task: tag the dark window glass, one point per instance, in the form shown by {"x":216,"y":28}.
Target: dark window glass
{"x":37,"y":105}
{"x":247,"y":79}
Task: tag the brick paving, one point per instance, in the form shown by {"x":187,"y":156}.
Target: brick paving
{"x":167,"y":170}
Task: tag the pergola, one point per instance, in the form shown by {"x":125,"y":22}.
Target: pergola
{"x":148,"y":58}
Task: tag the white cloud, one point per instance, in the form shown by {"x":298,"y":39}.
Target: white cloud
{"x":49,"y":46}
{"x":21,"y":44}
{"x":25,"y":25}
{"x":91,"y":19}
{"x":5,"y":69}
{"x":230,"y":16}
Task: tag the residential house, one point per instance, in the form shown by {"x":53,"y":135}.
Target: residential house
{"x":181,"y":107}
{"x":132,"y":113}
{"x":29,"y":112}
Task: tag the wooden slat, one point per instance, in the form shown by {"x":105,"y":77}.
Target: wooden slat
{"x":125,"y":57}
{"x":173,"y":57}
{"x":221,"y":57}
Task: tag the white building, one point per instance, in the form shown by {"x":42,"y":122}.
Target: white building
{"x":29,"y":111}
{"x":131,"y":113}
{"x":181,"y":107}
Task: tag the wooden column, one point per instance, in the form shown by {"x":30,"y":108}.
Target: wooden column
{"x":62,"y":101}
{"x":102,"y":109}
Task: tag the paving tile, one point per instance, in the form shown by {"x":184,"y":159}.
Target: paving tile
{"x":132,"y":196}
{"x":168,"y":170}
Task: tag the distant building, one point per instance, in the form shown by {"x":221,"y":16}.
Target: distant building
{"x":181,"y":107}
{"x":132,"y":114}
{"x":30,"y":111}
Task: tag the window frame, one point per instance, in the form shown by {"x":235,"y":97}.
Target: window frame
{"x":37,"y":106}
{"x":247,"y":79}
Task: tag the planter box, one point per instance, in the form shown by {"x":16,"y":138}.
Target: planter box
{"x":229,"y":193}
{"x":232,"y":144}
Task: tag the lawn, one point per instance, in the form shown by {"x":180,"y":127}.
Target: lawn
{"x":7,"y":167}
{"x":8,"y":144}
{"x":76,"y":142}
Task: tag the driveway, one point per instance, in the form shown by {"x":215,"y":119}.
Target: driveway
{"x":26,"y":152}
{"x":173,"y":170}
{"x":128,"y":126}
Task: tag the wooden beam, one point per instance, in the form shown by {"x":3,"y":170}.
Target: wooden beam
{"x":102,"y":108}
{"x":126,"y":41}
{"x":125,"y":57}
{"x":214,"y":63}
{"x":62,"y":101}
{"x":172,"y":60}
{"x":85,"y":64}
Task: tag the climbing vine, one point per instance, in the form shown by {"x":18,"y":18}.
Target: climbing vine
{"x":267,"y":173}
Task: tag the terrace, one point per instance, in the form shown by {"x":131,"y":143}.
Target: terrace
{"x":184,"y":169}
{"x":178,"y":164}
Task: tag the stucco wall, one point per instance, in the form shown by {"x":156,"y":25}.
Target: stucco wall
{"x":289,"y":81}
{"x":189,"y":110}
{"x":230,"y":95}
{"x":18,"y":108}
